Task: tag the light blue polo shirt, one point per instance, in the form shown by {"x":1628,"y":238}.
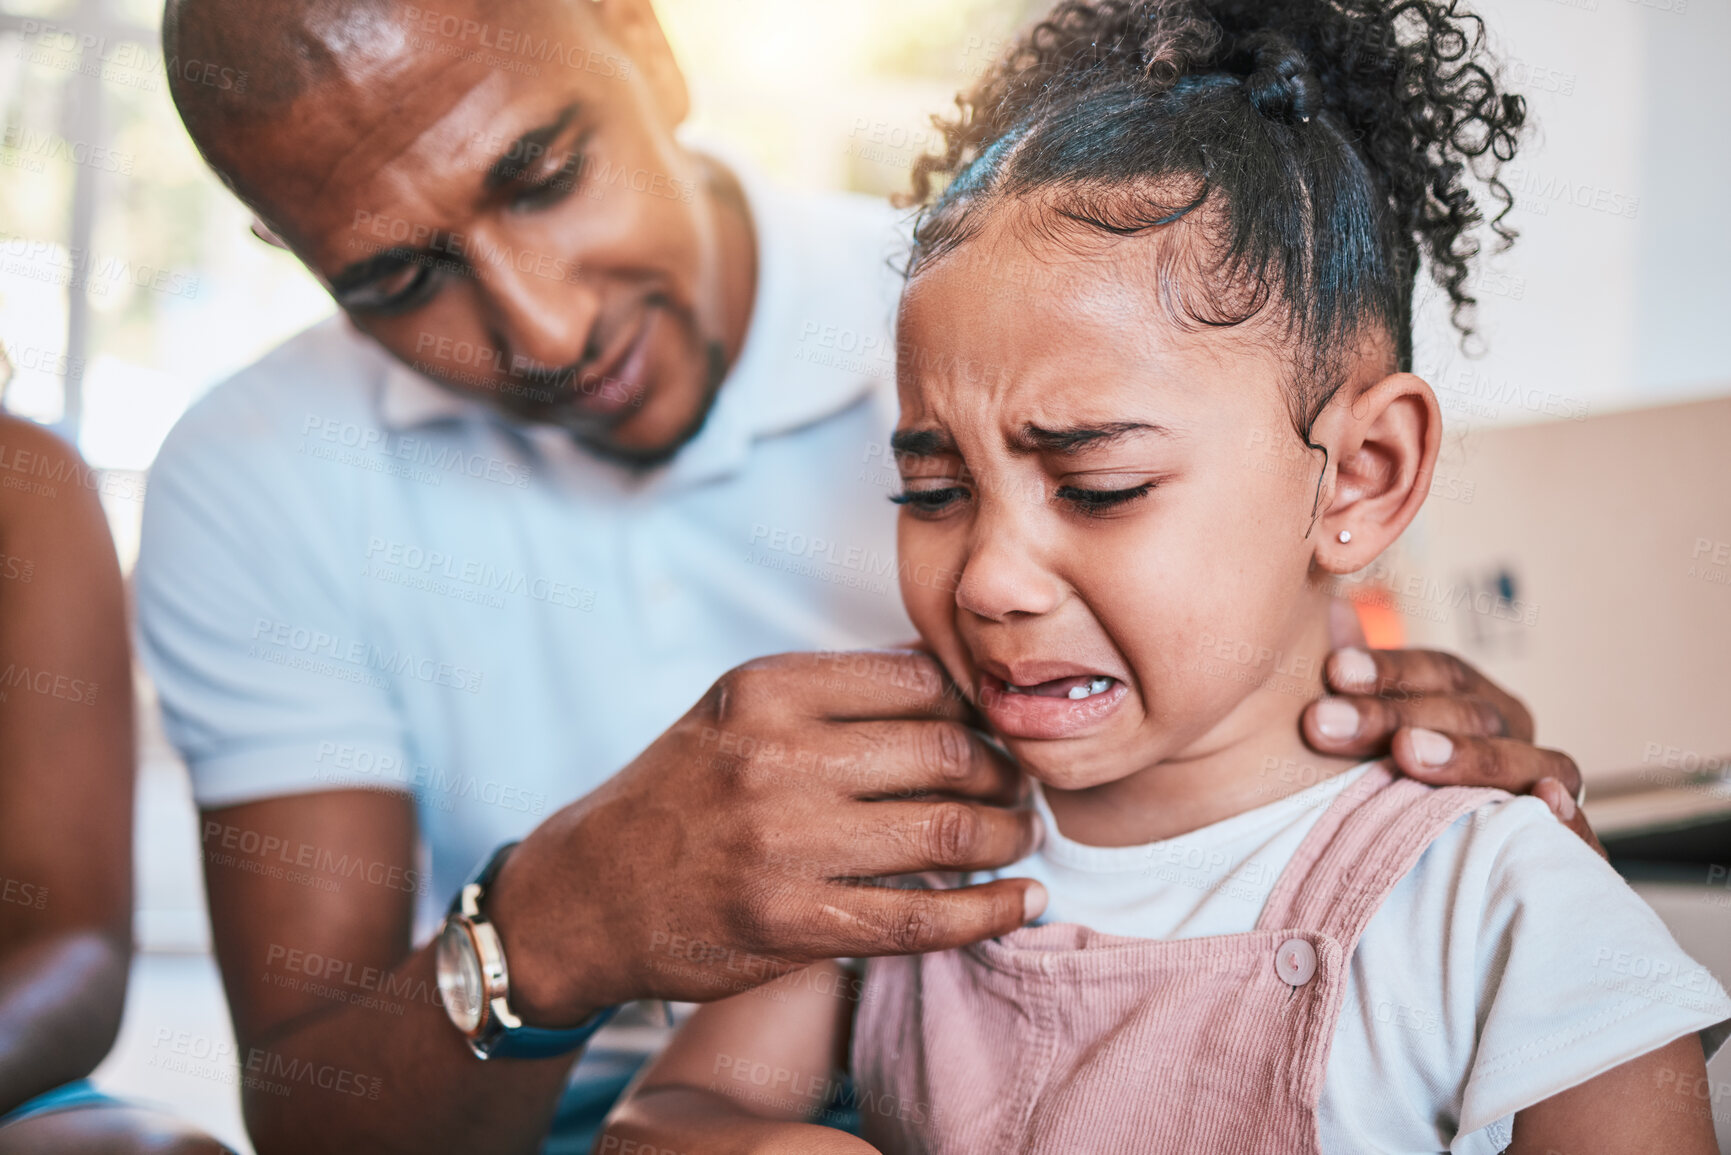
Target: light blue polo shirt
{"x":350,"y":577}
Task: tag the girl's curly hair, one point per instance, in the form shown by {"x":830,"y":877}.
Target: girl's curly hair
{"x":1327,"y":142}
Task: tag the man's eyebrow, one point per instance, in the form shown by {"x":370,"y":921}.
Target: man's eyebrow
{"x":520,"y":155}
{"x":1073,"y":439}
{"x":921,"y":443}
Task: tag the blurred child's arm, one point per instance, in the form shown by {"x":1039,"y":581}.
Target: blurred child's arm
{"x":745,"y":1074}
{"x":1647,"y":1104}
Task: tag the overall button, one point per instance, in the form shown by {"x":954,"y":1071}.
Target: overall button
{"x":1295,"y":962}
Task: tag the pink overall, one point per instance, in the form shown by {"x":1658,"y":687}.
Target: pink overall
{"x":1059,"y":1039}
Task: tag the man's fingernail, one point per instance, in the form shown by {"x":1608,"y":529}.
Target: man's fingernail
{"x":1336,"y":720}
{"x":1557,"y":797}
{"x":1033,"y":902}
{"x":1431,"y":748}
{"x":1354,"y":669}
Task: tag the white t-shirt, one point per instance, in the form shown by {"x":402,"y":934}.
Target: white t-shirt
{"x":350,"y":577}
{"x":1511,"y":964}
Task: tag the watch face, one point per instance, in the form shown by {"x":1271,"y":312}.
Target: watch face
{"x":460,"y":982}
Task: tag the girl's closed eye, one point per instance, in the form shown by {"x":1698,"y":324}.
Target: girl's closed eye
{"x":1090,"y":500}
{"x":1101,"y":500}
{"x":929,"y":501}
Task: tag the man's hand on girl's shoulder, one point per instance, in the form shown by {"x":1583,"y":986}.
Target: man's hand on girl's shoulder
{"x":1441,"y":720}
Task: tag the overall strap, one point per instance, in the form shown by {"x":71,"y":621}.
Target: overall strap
{"x":1360,"y":849}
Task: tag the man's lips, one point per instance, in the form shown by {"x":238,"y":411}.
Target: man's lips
{"x":1046,"y":700}
{"x":617,"y":381}
{"x":612,"y":364}
{"x":611,"y":382}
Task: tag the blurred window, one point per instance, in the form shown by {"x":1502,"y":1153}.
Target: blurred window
{"x":130,"y":282}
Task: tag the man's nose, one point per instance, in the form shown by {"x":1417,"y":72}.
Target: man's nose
{"x":543,"y":316}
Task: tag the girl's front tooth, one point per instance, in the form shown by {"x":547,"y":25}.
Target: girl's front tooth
{"x":1098,"y":685}
{"x":1080,"y":692}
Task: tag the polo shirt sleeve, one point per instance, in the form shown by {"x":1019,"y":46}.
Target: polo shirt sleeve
{"x":1576,"y":974}
{"x":248,"y":610}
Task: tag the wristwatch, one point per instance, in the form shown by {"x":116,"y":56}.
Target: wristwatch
{"x":475,"y":984}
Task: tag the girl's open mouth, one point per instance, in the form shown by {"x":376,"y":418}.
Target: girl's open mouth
{"x":1074,"y":689}
{"x":1058,"y":708}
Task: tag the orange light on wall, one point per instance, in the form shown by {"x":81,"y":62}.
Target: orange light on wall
{"x":1383,"y":626}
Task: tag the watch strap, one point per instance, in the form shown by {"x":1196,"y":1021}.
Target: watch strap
{"x":539,"y":1042}
{"x":521,"y":1041}
{"x":484,"y":874}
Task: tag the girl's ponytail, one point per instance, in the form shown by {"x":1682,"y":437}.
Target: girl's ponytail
{"x":1281,"y":85}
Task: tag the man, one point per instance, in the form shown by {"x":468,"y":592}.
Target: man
{"x":66,"y":773}
{"x":605,"y":418}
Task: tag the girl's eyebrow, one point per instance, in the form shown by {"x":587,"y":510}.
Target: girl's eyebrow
{"x":1032,"y":438}
{"x":1074,"y":439}
{"x":921,"y":443}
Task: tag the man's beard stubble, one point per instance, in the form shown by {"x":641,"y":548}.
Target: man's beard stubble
{"x":642,"y":460}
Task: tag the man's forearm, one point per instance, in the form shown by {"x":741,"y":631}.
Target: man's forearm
{"x":390,"y":1074}
{"x":60,"y":1001}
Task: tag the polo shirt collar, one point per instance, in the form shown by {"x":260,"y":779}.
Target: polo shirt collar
{"x":408,"y":400}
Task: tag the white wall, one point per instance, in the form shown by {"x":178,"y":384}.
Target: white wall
{"x":1617,"y":293}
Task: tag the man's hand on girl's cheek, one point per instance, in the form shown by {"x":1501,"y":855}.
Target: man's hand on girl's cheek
{"x":1441,"y":720}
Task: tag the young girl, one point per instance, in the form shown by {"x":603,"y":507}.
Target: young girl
{"x":1178,"y":238}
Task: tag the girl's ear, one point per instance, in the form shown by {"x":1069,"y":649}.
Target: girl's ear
{"x":635,"y":28}
{"x":1385,"y":441}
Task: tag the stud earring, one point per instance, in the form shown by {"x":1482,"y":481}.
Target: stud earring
{"x":1345,"y":536}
